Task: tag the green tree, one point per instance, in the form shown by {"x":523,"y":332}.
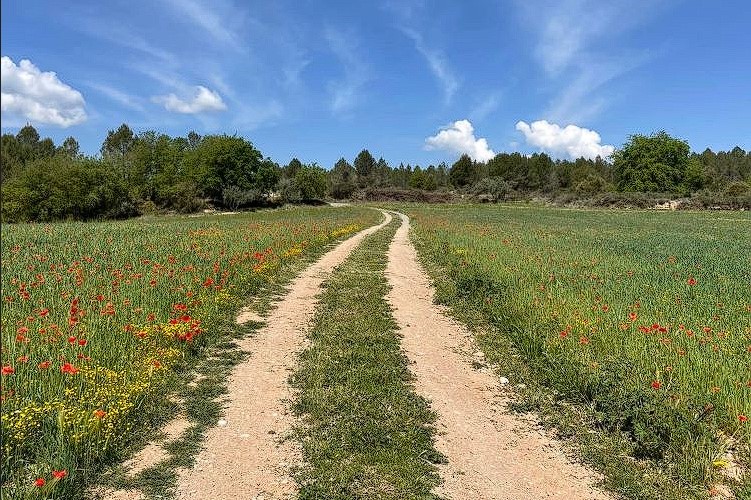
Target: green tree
{"x":364,"y":167}
{"x":70,"y":147}
{"x":462,"y":172}
{"x":221,"y":161}
{"x":118,"y":143}
{"x":28,"y":136}
{"x":291,"y":169}
{"x":420,"y":179}
{"x":654,"y":163}
{"x":156,"y":165}
{"x":311,"y":182}
{"x":342,"y":179}
{"x":11,"y":160}
{"x":193,"y":139}
{"x":28,"y":142}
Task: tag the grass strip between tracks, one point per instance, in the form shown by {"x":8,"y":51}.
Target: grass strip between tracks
{"x":365,"y":432}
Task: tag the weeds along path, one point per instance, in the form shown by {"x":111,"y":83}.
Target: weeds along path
{"x":491,"y":453}
{"x":248,"y":457}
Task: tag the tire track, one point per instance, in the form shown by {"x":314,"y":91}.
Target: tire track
{"x":247,"y":457}
{"x":491,"y":453}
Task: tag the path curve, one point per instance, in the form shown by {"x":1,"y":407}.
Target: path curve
{"x":245,"y":459}
{"x":492,"y":454}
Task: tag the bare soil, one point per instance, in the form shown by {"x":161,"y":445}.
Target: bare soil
{"x":492,"y":454}
{"x":246,"y":456}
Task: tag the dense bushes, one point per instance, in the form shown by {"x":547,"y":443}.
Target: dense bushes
{"x":62,"y":187}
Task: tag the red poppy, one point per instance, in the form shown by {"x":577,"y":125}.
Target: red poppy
{"x":563,"y":334}
{"x":23,"y":359}
{"x":40,"y":482}
{"x":8,"y":370}
{"x":656,"y":384}
{"x":100,"y":414}
{"x":59,"y":474}
{"x":691,"y":281}
{"x":44,"y":365}
{"x":71,"y":340}
{"x":583,"y":340}
{"x":69,"y":368}
{"x":743,"y":418}
{"x":82,"y":342}
{"x":632,"y":316}
{"x":23,"y":330}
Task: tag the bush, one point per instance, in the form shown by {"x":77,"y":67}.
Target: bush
{"x":62,"y":187}
{"x":183,"y":198}
{"x":497,"y":189}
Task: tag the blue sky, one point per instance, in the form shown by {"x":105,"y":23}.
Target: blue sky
{"x":417,"y":82}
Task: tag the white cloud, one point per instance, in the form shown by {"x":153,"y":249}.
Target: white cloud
{"x":29,"y":94}
{"x":572,"y":141}
{"x":202,"y":100}
{"x":460,"y":138}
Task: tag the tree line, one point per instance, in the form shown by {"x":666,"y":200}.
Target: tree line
{"x":147,"y":172}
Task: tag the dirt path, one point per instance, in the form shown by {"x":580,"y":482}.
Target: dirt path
{"x":491,"y":454}
{"x":243,"y":457}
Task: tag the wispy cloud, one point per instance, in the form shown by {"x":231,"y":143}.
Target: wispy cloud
{"x":205,"y":15}
{"x":345,"y":93}
{"x":437,"y":62}
{"x":408,"y":14}
{"x":123,"y":98}
{"x":485,"y":107}
{"x":118,"y":35}
{"x":581,"y":98}
{"x":570,"y":35}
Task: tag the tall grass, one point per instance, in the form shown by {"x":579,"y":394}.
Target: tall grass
{"x":96,"y":316}
{"x":644,"y":317}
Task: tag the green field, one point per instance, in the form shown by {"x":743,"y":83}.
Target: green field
{"x":630,"y":330}
{"x":642,"y":317}
{"x":96,"y":319}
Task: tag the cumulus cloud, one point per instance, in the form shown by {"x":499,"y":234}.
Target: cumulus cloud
{"x":29,"y":94}
{"x":202,"y":100}
{"x":570,"y":140}
{"x":460,"y":138}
